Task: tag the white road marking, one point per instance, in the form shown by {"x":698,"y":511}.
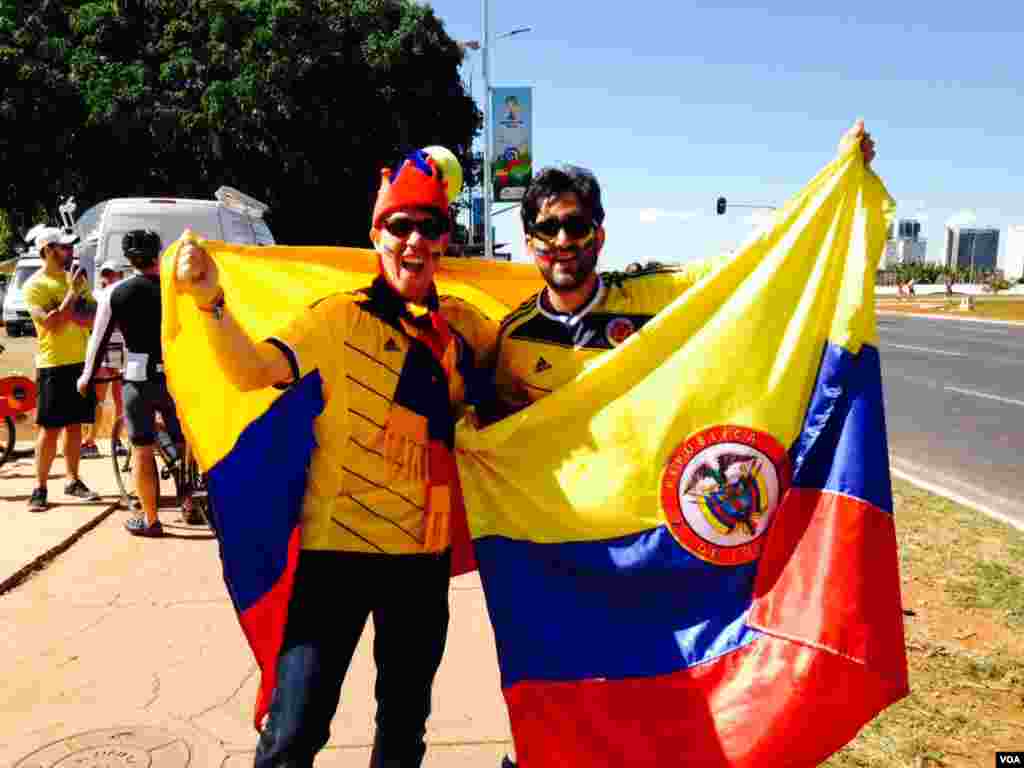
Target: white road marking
{"x":916,"y":479}
{"x":927,"y":349}
{"x":987,"y":396}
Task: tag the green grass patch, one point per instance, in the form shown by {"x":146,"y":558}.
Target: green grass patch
{"x":993,"y":586}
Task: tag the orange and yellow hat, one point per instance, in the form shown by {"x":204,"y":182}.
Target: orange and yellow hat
{"x":426,"y":178}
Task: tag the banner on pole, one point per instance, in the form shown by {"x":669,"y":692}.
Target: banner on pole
{"x":512,"y":108}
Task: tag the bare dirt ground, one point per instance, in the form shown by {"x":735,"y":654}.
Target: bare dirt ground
{"x":963,"y":589}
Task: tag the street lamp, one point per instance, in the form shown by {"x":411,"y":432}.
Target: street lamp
{"x":488,"y":118}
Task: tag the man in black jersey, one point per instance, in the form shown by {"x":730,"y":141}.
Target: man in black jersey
{"x":133,"y":306}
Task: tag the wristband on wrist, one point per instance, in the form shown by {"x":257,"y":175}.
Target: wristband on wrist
{"x":215,"y":307}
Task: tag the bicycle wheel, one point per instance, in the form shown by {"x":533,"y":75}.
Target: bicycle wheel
{"x":192,"y":494}
{"x":6,"y":439}
{"x":122,"y":465}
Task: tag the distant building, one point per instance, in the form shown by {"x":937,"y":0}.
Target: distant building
{"x":972,"y":247}
{"x":904,"y":244}
{"x":1013,"y":257}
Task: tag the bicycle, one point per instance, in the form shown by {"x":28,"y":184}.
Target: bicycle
{"x":191,"y":493}
{"x":17,"y":395}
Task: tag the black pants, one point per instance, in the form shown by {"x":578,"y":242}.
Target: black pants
{"x":334,"y":594}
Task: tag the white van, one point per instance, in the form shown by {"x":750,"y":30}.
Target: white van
{"x":232,"y":217}
{"x":17,"y":319}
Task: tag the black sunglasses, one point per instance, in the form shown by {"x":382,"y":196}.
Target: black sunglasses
{"x":431,"y":228}
{"x":575,"y":226}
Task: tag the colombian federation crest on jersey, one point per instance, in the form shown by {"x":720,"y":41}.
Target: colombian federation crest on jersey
{"x":720,"y":489}
{"x":618,"y":330}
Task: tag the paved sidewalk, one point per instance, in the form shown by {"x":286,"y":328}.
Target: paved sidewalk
{"x":123,"y":651}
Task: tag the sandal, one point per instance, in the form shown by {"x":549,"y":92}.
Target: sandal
{"x":136,"y":526}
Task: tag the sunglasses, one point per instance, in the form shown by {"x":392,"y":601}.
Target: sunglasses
{"x":575,"y":226}
{"x":431,"y":228}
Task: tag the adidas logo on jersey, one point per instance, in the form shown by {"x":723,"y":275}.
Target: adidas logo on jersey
{"x":542,"y":365}
{"x":390,"y":346}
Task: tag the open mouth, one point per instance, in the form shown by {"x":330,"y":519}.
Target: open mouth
{"x":414,"y":264}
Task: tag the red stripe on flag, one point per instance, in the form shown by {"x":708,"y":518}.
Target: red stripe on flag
{"x":264,"y":625}
{"x":772,"y":702}
{"x":829,"y":577}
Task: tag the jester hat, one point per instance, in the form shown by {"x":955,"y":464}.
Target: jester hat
{"x":426,"y":178}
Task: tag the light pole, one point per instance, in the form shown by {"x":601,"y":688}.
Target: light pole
{"x":488,"y":120}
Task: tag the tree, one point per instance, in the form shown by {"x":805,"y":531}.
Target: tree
{"x":297,"y":103}
{"x":39,"y":108}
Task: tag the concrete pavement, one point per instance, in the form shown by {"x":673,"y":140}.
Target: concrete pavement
{"x":123,"y":651}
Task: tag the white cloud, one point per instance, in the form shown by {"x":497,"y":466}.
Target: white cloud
{"x":758,"y":219}
{"x":962,"y":218}
{"x":651,"y":215}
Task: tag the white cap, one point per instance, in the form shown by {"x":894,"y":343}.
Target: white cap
{"x":50,"y":235}
{"x":116,"y":263}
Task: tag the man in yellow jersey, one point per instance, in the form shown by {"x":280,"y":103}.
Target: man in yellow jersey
{"x":62,"y":309}
{"x":393,"y":363}
{"x":581,"y":313}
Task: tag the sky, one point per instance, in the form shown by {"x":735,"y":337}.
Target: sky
{"x":673,"y":103}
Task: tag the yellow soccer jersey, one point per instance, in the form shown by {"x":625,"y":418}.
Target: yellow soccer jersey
{"x":65,"y":345}
{"x":351,"y":501}
{"x":539,"y":350}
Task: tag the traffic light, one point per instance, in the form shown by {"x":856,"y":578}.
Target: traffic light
{"x":720,"y":206}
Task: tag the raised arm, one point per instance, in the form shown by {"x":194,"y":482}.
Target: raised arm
{"x":248,"y":365}
{"x":50,"y":318}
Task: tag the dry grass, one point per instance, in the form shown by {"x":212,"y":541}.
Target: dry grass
{"x":963,"y":579}
{"x":987,"y":307}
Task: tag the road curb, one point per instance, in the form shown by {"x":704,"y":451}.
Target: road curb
{"x":40,"y":562}
{"x":956,"y":498}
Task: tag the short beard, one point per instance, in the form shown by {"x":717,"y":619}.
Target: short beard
{"x":586,"y":263}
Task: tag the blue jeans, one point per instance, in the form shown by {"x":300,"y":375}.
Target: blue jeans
{"x":334,"y":594}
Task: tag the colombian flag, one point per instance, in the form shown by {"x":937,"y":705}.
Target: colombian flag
{"x":688,"y":553}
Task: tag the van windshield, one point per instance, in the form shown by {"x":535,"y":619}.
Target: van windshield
{"x":263,"y":234}
{"x":21,"y":274}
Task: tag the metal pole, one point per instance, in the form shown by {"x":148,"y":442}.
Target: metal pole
{"x":488,"y":128}
{"x":974,"y":241}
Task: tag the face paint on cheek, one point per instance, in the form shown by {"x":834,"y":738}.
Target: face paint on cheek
{"x":387,"y":249}
{"x":541,"y":251}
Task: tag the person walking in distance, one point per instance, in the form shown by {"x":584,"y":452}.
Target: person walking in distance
{"x":108,"y":376}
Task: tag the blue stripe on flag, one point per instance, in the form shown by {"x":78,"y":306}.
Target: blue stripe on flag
{"x":256,"y":491}
{"x":843,"y":446}
{"x":634,"y":606}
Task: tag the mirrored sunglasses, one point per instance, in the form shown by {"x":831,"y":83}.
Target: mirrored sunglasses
{"x":430,"y":228}
{"x":575,"y":226}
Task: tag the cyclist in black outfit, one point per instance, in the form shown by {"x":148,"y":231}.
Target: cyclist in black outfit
{"x":134,"y":306}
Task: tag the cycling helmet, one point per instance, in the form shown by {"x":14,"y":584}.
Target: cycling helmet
{"x":141,"y":246}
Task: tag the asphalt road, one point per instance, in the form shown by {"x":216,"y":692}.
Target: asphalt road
{"x":954,"y":398}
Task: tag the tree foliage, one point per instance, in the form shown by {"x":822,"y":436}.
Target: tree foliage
{"x":296,"y":103}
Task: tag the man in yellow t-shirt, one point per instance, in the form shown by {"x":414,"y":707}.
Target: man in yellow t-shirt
{"x":392,"y":363}
{"x":62,"y":308}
